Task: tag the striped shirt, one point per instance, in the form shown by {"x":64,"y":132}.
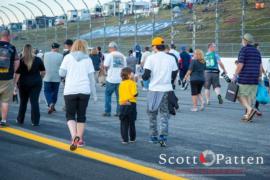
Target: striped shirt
{"x":251,"y":58}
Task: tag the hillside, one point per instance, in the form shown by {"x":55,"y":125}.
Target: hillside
{"x":257,"y":22}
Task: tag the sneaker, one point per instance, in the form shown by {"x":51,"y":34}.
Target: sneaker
{"x":116,"y":114}
{"x":144,"y":89}
{"x":186,"y":86}
{"x":258,"y":113}
{"x":19,"y":122}
{"x":50,"y":110}
{"x":162,"y":140}
{"x":74,"y":143}
{"x":124,"y":142}
{"x":35,"y":125}
{"x":220,"y":100}
{"x":4,"y":124}
{"x":202,"y":107}
{"x":133,"y":141}
{"x":194,"y":109}
{"x":153,"y":140}
{"x":207,"y":102}
{"x":183,"y":84}
{"x":106,"y":114}
{"x":81,"y":143}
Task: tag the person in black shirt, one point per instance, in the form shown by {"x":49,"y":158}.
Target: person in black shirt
{"x":8,"y":64}
{"x":29,"y":80}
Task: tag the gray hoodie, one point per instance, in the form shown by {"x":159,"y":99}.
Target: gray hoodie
{"x":78,"y":55}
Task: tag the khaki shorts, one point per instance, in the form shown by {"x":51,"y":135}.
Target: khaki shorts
{"x":6,"y":91}
{"x":211,"y":79}
{"x":247,"y":90}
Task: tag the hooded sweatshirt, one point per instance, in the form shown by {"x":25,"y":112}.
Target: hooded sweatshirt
{"x":78,"y":70}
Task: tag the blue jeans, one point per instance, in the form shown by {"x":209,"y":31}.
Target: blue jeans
{"x":146,"y":84}
{"x":110,"y":89}
{"x":51,"y":92}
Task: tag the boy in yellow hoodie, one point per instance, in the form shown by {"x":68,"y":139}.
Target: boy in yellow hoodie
{"x":127,"y":101}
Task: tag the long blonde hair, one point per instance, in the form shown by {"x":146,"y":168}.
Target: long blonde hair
{"x":200,"y":55}
{"x":28,"y":56}
{"x":79,"y":45}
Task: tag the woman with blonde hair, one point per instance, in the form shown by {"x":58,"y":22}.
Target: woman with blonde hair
{"x":29,"y":80}
{"x":78,"y":70}
{"x":196,"y":75}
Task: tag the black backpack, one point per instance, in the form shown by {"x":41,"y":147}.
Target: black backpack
{"x":5,"y":56}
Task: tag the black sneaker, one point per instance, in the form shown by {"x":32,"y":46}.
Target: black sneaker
{"x":106,"y":114}
{"x":153,"y":139}
{"x":186,"y":85}
{"x":4,"y":124}
{"x":162,"y":140}
{"x":220,"y":100}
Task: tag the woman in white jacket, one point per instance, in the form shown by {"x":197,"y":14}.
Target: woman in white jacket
{"x":78,"y":70}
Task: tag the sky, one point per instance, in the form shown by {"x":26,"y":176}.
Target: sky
{"x":57,"y":10}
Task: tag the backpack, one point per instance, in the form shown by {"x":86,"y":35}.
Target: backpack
{"x":5,"y":58}
{"x":211,"y":61}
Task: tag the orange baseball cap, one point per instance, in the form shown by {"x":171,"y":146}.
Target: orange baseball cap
{"x":158,"y":41}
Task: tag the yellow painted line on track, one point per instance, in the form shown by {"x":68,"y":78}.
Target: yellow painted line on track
{"x":151,"y":172}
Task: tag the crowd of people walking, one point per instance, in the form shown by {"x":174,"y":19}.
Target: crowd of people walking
{"x":80,"y":68}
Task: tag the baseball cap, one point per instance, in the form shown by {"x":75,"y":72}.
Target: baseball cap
{"x":248,"y":37}
{"x":68,"y":42}
{"x":55,"y":45}
{"x":113,"y":45}
{"x":158,"y":41}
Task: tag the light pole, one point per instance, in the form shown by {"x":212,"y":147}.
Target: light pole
{"x":119,"y":22}
{"x":153,"y":19}
{"x":32,"y":13}
{"x":194,"y":28}
{"x":104,"y":25}
{"x":66,"y":21}
{"x":12,"y":12}
{"x":217,"y":26}
{"x":243,"y":18}
{"x":7,"y":18}
{"x":55,"y":27}
{"x":78,"y":20}
{"x":2,"y":20}
{"x":136,"y":22}
{"x":25,"y":18}
{"x":45,"y":27}
{"x":90,"y":22}
{"x":172,"y":23}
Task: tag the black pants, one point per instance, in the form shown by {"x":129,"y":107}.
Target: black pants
{"x":128,"y":116}
{"x":196,"y":87}
{"x":76,"y":105}
{"x":32,"y":93}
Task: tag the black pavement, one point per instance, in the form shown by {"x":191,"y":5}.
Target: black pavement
{"x":218,"y":129}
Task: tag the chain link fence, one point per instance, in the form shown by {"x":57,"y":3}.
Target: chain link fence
{"x":221,"y":21}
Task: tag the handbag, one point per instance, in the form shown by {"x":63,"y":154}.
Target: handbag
{"x":262,"y":95}
{"x":232,"y":92}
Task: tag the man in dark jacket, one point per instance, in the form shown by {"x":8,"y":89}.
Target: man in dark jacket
{"x":184,"y":62}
